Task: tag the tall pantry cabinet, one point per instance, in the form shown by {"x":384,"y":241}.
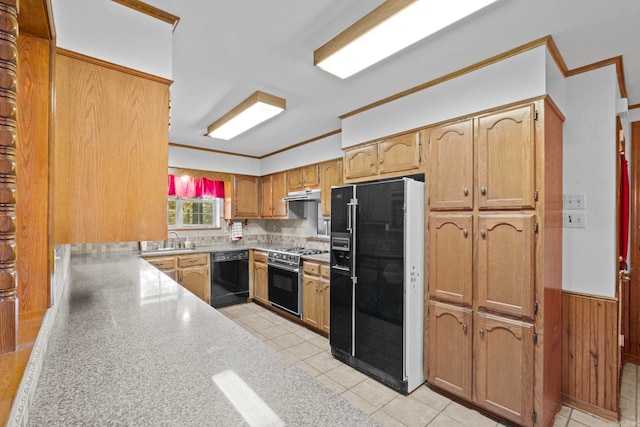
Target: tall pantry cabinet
{"x":494,"y":255}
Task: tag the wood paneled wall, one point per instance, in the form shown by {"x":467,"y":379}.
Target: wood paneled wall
{"x":34,"y":103}
{"x":590,"y":365}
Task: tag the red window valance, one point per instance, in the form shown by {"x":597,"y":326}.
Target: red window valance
{"x":190,"y":187}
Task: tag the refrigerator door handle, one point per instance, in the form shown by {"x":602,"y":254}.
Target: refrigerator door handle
{"x":349,"y":218}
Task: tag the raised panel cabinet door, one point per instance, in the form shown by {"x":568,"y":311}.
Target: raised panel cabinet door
{"x":265,"y":197}
{"x":504,"y":367}
{"x":451,"y":166}
{"x":261,"y":290}
{"x":245,"y":196}
{"x":278,"y":191}
{"x":311,"y":176}
{"x":295,"y":182}
{"x":401,"y":153}
{"x":330,"y":176}
{"x":451,"y":257}
{"x":506,"y":159}
{"x":195,"y":279}
{"x":325,"y":298}
{"x":311,"y":301}
{"x":361,"y":162}
{"x":449,"y":357}
{"x":506,"y":257}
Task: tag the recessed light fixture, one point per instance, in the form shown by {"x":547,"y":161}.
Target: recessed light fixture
{"x":387,"y":29}
{"x":252,"y":111}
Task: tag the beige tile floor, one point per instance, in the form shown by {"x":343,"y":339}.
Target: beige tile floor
{"x":423,"y":407}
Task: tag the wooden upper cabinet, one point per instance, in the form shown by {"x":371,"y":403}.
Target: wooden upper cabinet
{"x":450,"y":355}
{"x":241,"y":197}
{"x":506,"y":261}
{"x":401,"y":153}
{"x":361,"y":162}
{"x":273,"y":188}
{"x":504,"y":354}
{"x":278,"y":192}
{"x":506,"y":159}
{"x":451,"y":257}
{"x":330,"y":176}
{"x":304,"y":178}
{"x":396,"y":156}
{"x":110,"y":153}
{"x":451,"y":166}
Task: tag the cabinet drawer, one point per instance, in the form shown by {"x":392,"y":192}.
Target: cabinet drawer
{"x":162,"y":263}
{"x":259,"y":256}
{"x":191,"y":260}
{"x":324,"y":271}
{"x":312,"y":268}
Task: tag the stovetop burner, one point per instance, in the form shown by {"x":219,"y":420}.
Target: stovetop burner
{"x":290,"y":256}
{"x":303,"y":251}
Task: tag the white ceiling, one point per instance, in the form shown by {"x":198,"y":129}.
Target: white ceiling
{"x":223,"y":51}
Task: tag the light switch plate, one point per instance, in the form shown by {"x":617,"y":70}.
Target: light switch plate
{"x":574,"y":201}
{"x":574,"y":220}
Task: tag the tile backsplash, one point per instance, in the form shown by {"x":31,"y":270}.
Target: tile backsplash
{"x":287,"y":232}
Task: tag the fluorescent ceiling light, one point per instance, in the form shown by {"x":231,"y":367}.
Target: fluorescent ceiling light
{"x":252,"y":111}
{"x":387,"y":29}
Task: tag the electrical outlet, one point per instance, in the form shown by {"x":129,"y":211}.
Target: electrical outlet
{"x":574,"y":201}
{"x":574,"y":220}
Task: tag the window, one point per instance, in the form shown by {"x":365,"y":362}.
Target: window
{"x":196,"y":213}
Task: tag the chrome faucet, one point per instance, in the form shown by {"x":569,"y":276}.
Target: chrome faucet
{"x":166,"y":242}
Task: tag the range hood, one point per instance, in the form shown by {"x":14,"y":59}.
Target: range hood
{"x":303,"y":196}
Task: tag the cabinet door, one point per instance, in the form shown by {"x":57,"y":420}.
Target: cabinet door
{"x":278,"y":191}
{"x":401,"y":153}
{"x":361,"y":162}
{"x":504,"y":367}
{"x":310,"y":300}
{"x":506,"y":161}
{"x":260,"y":277}
{"x":449,"y":357}
{"x":325,"y":298}
{"x":245,"y":196}
{"x":506,"y":251}
{"x":311,"y":176}
{"x":451,"y":257}
{"x":330,"y":175}
{"x":196,"y":280}
{"x":265,"y":196}
{"x":451,"y":166}
{"x":295,"y":182}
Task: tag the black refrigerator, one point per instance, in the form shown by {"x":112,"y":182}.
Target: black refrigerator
{"x":377,"y":285}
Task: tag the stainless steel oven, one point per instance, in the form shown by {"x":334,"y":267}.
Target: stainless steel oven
{"x":285,"y":278}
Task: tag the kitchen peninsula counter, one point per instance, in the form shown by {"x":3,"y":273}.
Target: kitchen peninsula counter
{"x":129,"y":346}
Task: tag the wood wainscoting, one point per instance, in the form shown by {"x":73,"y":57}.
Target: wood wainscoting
{"x":590,"y":365}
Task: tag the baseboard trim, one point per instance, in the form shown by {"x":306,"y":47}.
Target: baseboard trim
{"x":590,"y":408}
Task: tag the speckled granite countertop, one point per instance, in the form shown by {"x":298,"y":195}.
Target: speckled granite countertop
{"x":129,"y":346}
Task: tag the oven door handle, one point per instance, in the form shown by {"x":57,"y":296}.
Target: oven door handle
{"x":285,"y":267}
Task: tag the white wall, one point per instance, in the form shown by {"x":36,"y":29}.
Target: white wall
{"x":109,"y":31}
{"x":589,"y":254}
{"x":206,"y":160}
{"x":318,"y":151}
{"x":513,"y":79}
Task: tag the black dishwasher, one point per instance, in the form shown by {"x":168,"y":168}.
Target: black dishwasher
{"x":229,"y":277}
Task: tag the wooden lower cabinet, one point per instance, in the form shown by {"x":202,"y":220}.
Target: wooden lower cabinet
{"x":260,"y":277}
{"x":450,"y":361}
{"x":504,"y":367}
{"x":192,"y":271}
{"x":315,"y":295}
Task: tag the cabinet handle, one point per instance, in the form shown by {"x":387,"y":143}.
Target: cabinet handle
{"x":481,"y":332}
{"x":371,"y":164}
{"x":465,"y":233}
{"x":464,"y":328}
{"x":381,"y":161}
{"x":483,"y":233}
{"x":466,"y":191}
{"x":483,"y":191}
